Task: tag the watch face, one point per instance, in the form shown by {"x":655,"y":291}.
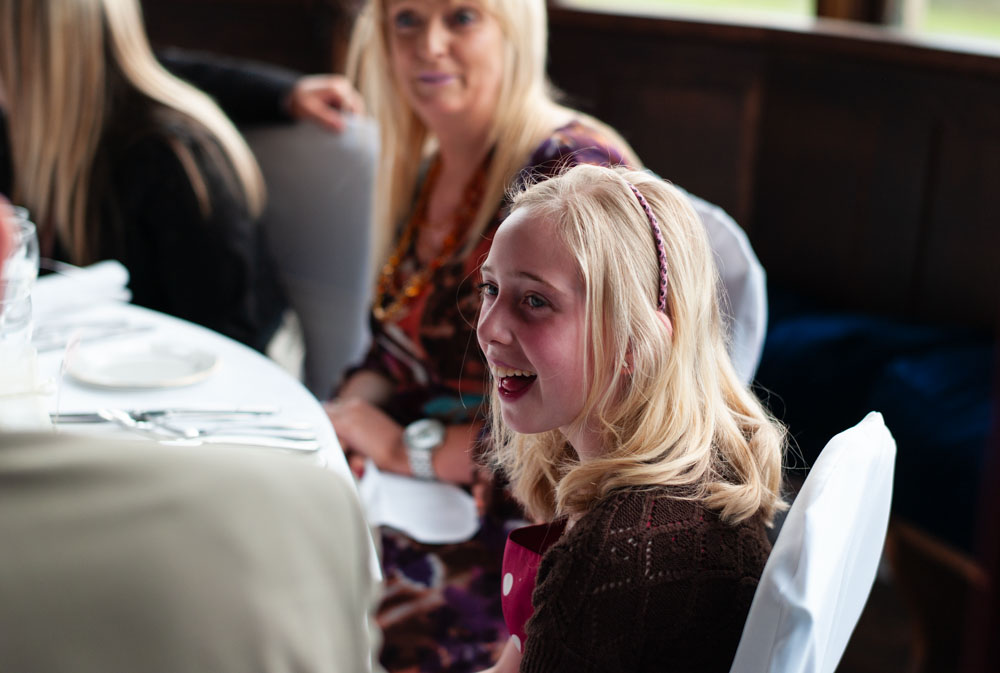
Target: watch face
{"x":425,"y":434}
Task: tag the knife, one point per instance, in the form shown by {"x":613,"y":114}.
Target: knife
{"x":140,"y":414}
{"x":302,"y":446}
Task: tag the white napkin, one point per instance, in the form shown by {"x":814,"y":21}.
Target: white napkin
{"x":60,"y":293}
{"x":428,"y":511}
{"x":22,"y":392}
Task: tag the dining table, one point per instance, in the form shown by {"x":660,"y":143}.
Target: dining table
{"x":131,"y":370}
{"x":99,"y":356}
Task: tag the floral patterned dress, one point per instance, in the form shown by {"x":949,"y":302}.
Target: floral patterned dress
{"x":442,"y":610}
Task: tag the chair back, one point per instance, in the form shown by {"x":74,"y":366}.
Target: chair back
{"x":318,"y":228}
{"x":744,"y":300}
{"x":823,"y":564}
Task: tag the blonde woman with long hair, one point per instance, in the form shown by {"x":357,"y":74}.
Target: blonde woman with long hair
{"x":619,"y":418}
{"x":116,"y":158}
{"x":464,"y":108}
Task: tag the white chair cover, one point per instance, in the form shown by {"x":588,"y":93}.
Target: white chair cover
{"x":318,"y":227}
{"x":821,"y":570}
{"x":744,"y":305}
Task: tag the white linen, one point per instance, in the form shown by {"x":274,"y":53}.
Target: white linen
{"x":57,"y":294}
{"x":820,"y":572}
{"x":429,"y":512}
{"x":244,"y":378}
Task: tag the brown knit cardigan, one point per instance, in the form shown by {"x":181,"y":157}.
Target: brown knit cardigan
{"x":645,"y":582}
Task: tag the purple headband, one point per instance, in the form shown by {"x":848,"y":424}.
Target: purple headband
{"x":661,"y":253}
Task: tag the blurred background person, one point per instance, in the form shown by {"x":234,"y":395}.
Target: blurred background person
{"x":117,"y":159}
{"x":465,"y":112}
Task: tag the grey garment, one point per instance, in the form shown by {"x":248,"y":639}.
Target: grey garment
{"x":318,"y":229}
{"x":124,"y":556}
{"x":743,"y":293}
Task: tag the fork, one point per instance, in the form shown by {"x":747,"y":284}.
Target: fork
{"x":167,"y":436}
{"x":295,"y":431}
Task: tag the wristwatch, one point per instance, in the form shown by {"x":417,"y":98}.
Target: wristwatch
{"x":421,"y":439}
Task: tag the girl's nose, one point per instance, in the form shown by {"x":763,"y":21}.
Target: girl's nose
{"x":491,"y":327}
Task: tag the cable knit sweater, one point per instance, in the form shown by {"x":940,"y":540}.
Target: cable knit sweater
{"x":645,"y":582}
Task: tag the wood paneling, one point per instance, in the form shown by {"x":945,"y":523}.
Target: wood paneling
{"x":860,"y":164}
{"x":308,"y":35}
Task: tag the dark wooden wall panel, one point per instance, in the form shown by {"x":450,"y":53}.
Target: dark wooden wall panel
{"x":960,"y":263}
{"x":689,"y":109}
{"x":835,"y":212}
{"x":308,"y":35}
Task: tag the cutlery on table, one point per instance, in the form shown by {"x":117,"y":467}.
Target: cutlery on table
{"x":151,"y":414}
{"x":171,"y":437}
{"x":300,"y":431}
{"x":257,"y":441}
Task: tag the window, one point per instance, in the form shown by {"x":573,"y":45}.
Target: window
{"x":717,"y":8}
{"x":968,"y":18}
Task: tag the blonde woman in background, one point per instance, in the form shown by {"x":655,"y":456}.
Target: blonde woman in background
{"x":117,"y":159}
{"x":465,"y":111}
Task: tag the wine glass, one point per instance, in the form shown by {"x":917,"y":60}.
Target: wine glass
{"x":17,"y":278}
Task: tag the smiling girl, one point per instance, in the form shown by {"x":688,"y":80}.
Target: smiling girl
{"x":618,"y":417}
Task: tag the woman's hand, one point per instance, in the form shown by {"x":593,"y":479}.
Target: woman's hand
{"x":325,"y":99}
{"x":365,"y":431}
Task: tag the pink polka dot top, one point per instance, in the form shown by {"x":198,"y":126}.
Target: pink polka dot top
{"x":521,"y":557}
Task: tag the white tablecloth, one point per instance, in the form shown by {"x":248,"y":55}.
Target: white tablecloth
{"x":244,"y":378}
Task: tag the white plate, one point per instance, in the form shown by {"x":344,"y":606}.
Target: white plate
{"x":142,"y":365}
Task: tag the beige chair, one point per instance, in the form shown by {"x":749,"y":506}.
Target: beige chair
{"x":318,"y":228}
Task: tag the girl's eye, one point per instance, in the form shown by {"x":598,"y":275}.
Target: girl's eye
{"x":534,"y":301}
{"x":487,"y":289}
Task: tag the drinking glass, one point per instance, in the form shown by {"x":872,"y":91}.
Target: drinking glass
{"x":21,"y":265}
{"x":22,"y":405}
{"x":17,"y":278}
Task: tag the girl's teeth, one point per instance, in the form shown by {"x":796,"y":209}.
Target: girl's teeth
{"x":504,"y":372}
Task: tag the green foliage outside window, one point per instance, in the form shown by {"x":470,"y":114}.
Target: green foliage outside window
{"x":968,"y":18}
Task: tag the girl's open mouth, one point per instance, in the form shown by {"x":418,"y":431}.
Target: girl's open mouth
{"x":512,"y":383}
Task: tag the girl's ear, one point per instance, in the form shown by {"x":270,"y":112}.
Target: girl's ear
{"x":665,"y":319}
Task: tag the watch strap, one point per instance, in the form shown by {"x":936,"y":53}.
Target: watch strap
{"x":421,"y":463}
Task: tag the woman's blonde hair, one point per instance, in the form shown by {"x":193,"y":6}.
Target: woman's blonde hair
{"x":677,"y":414}
{"x":59,"y":65}
{"x":526,"y":113}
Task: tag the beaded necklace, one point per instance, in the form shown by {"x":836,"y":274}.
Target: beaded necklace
{"x":390,"y":297}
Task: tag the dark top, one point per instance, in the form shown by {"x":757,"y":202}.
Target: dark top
{"x":250,"y":92}
{"x":645,"y":582}
{"x":209,"y":266}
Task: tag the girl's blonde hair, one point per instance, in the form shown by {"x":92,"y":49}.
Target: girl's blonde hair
{"x":60,"y":65}
{"x":677,"y":414}
{"x":525,"y":116}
